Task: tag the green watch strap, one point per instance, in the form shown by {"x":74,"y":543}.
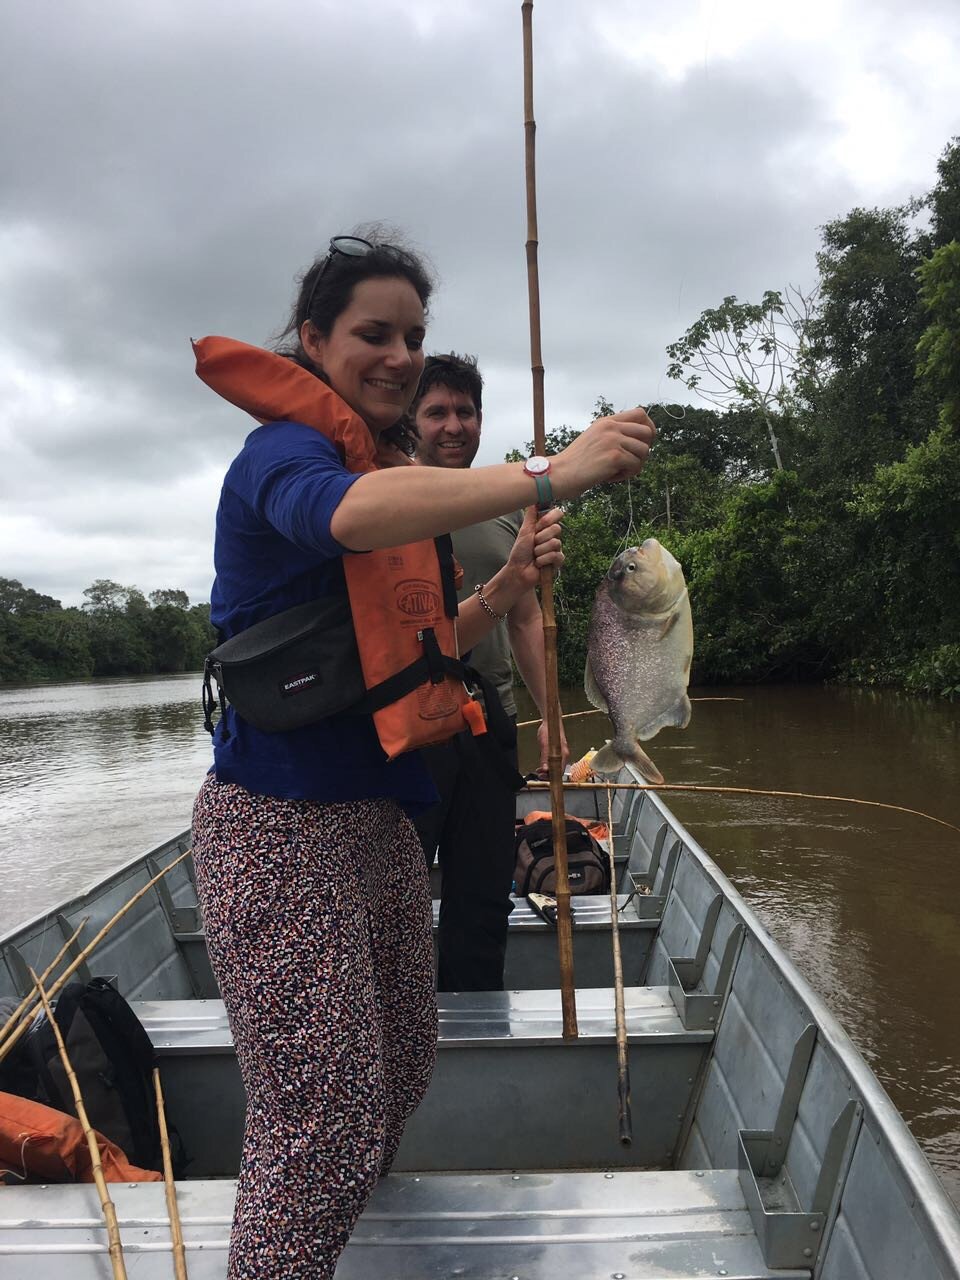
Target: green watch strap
{"x":544,"y":492}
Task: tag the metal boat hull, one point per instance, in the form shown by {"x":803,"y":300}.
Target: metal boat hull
{"x":763,"y":1143}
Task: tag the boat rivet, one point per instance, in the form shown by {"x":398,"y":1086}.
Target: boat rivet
{"x":814,"y":1226}
{"x":699,"y":1173}
{"x":416,"y":1179}
{"x":711,"y":1018}
{"x":721,"y":1272}
{"x":608,"y":1175}
{"x":619,"y":1275}
{"x":515,"y":1178}
{"x":808,"y":1253}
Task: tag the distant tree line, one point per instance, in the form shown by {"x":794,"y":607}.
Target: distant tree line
{"x":118,"y":631}
{"x":816,"y":510}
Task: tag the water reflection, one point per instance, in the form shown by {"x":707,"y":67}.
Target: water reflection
{"x":91,"y":774}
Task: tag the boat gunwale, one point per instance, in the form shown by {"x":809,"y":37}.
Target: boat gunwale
{"x":928,"y":1196}
{"x":26,"y":929}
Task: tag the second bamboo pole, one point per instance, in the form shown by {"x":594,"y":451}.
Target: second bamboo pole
{"x":623,"y":1060}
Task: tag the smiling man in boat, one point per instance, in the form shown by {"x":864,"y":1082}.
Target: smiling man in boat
{"x":472,"y":827}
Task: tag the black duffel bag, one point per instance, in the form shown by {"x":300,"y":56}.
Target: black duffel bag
{"x":288,"y":671}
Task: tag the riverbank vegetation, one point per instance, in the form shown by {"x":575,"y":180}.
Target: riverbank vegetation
{"x":816,"y":507}
{"x":118,"y":631}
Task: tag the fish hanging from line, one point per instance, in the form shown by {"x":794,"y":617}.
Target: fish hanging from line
{"x":639,"y":651}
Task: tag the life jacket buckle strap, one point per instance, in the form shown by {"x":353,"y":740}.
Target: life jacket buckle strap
{"x":436,"y":669}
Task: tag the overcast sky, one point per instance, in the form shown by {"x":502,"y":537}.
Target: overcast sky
{"x":168,"y":168}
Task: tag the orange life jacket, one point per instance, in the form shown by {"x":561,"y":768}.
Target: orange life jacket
{"x":402,"y":599}
{"x":41,"y":1144}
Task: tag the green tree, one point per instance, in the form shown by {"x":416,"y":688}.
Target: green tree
{"x":867,"y":329}
{"x":171,"y":638}
{"x":938,"y":351}
{"x":16,"y":598}
{"x":170,"y":596}
{"x":944,"y":199}
{"x":752,"y":354}
{"x":104,"y":596}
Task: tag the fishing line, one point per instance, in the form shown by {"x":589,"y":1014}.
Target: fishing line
{"x":632,"y":536}
{"x":631,"y":527}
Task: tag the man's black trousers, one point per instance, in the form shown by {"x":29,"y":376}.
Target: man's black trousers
{"x":472,"y":829}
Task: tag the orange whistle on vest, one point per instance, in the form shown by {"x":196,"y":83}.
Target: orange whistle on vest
{"x":473,"y":714}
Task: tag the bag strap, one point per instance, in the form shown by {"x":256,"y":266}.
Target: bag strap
{"x":432,"y":665}
{"x":210,"y":702}
{"x":444,"y":544}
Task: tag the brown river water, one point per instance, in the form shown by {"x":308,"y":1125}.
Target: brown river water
{"x":865,"y":901}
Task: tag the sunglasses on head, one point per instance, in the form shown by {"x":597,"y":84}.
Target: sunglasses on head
{"x":350,"y":247}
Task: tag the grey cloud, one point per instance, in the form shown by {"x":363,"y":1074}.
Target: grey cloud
{"x":168,"y":169}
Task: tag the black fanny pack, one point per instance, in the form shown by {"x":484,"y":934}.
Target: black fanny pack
{"x":291,"y":670}
{"x":302,"y":666}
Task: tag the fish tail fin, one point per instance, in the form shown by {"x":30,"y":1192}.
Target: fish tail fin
{"x":645,"y":766}
{"x":606,"y":760}
{"x":612,"y":755}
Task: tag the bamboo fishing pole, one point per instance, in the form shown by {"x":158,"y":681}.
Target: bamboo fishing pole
{"x":27,"y":1017}
{"x":170,"y":1187}
{"x":744,"y":791}
{"x":623,"y":1061}
{"x":109,"y":1210}
{"x":43,"y":977}
{"x":568,"y":1000}
{"x":594,"y":711}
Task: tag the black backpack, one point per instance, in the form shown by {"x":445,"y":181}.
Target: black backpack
{"x":588,"y":867}
{"x":113,"y":1059}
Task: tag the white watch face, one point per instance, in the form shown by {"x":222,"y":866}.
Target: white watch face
{"x":537,"y":466}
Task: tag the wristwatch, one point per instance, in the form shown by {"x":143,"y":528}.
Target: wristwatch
{"x":538,"y":468}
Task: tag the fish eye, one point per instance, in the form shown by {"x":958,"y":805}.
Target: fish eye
{"x":631,"y":568}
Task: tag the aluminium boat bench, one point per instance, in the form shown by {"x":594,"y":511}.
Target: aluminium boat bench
{"x":636,"y":1225}
{"x":508,"y":1091}
{"x":531,"y":957}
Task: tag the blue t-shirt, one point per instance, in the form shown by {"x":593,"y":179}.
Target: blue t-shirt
{"x":274,"y":550}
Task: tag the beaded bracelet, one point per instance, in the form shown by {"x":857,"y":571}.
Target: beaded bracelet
{"x":497,"y":617}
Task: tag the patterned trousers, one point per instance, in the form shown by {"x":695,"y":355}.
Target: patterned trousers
{"x":317,"y":921}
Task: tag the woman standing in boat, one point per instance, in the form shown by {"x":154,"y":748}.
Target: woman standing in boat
{"x":309,"y":871}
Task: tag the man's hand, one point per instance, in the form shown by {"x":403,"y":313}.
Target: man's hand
{"x":538,"y":546}
{"x":542,"y":742}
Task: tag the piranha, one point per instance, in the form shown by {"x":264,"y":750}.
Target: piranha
{"x":639,"y":652}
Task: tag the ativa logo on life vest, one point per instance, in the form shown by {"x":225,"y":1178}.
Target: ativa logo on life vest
{"x":417,"y":598}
